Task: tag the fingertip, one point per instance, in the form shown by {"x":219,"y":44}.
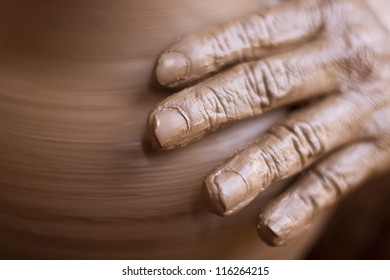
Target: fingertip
{"x":268,"y":234}
{"x":150,"y":131}
{"x":172,"y":67}
{"x":212,"y":197}
{"x":276,"y":225}
{"x":226,"y":192}
{"x":166,"y":128}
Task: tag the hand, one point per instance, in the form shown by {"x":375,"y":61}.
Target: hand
{"x":333,"y":53}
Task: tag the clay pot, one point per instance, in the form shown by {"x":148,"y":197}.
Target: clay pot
{"x":77,"y":177}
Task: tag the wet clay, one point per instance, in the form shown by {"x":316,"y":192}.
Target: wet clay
{"x":77,"y":177}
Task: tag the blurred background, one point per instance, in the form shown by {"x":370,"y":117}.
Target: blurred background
{"x":360,"y":226}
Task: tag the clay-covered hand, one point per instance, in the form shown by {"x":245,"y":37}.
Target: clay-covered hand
{"x":334,"y":54}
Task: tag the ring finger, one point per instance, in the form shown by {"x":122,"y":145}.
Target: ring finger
{"x":307,"y":135}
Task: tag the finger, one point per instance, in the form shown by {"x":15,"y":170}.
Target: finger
{"x":306,"y":136}
{"x":247,"y":90}
{"x":245,"y":38}
{"x":321,"y":187}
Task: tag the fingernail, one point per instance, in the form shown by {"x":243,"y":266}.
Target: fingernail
{"x":276,"y":229}
{"x":169,"y":127}
{"x":226,"y":193}
{"x":171,"y":67}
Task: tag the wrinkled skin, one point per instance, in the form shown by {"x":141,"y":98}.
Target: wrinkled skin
{"x":331,"y":58}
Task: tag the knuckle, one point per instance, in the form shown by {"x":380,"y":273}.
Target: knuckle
{"x":243,"y":38}
{"x":271,"y":79}
{"x":238,"y":94}
{"x":220,"y":48}
{"x":306,"y":139}
{"x":361,"y":64}
{"x":254,"y":87}
{"x":258,"y":29}
{"x":237,"y":40}
{"x":253,"y":34}
{"x":214,"y":104}
{"x":203,"y":105}
{"x":309,"y":201}
{"x":315,"y":196}
{"x":272,"y":164}
{"x":331,"y":182}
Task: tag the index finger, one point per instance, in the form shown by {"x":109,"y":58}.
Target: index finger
{"x":249,"y":37}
